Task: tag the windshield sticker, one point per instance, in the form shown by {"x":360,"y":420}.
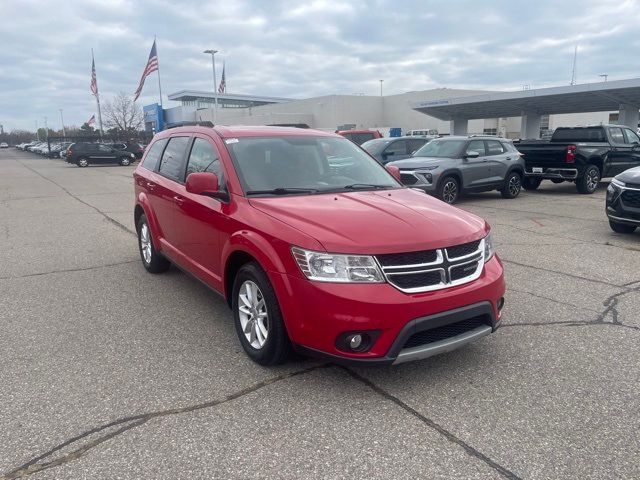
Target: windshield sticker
{"x":231,"y":140}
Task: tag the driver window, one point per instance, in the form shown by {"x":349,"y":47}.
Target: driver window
{"x":204,"y":158}
{"x":476,"y":146}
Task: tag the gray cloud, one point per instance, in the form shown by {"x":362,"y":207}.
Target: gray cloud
{"x":300,"y":49}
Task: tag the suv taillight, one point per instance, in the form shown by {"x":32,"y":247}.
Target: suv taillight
{"x":571,"y":154}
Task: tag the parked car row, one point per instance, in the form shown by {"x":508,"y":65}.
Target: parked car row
{"x":85,"y":153}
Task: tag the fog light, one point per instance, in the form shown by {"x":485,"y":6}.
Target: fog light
{"x":355,"y":341}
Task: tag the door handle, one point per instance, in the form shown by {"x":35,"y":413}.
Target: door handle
{"x":508,"y":158}
{"x":179,"y":200}
{"x":151,"y":185}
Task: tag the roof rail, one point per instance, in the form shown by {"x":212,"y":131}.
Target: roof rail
{"x":188,"y":124}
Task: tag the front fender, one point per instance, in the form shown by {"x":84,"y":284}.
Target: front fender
{"x":255,"y":245}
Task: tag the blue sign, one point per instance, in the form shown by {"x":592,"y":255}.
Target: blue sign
{"x":153,"y":118}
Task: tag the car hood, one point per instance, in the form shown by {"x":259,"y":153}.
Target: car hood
{"x":417,"y":162}
{"x":383,"y":221}
{"x":630,"y":176}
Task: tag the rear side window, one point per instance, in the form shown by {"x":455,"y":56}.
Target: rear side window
{"x":494,"y":147}
{"x":616,"y":135}
{"x":631,"y":136}
{"x":204,"y":158}
{"x":173,"y":158}
{"x":153,"y":155}
{"x":595,"y":134}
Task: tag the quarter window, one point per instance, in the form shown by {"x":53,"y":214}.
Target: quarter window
{"x":204,"y":158}
{"x":494,"y":147}
{"x":150,"y":162}
{"x":171,"y":165}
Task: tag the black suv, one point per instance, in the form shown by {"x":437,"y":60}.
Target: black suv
{"x":84,"y":153}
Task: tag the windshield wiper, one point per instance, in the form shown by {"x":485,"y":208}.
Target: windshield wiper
{"x":282,"y":191}
{"x":364,"y":186}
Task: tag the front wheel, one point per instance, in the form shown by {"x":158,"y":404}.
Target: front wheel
{"x":125,"y":162}
{"x":531,"y":183}
{"x":621,"y":227}
{"x":512,"y":185}
{"x":449,"y":190}
{"x":257,"y":317}
{"x":589,"y":181}
{"x":83,"y":162}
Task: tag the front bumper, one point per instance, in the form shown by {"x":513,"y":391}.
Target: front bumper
{"x":623,"y":205}
{"x":316,"y":314}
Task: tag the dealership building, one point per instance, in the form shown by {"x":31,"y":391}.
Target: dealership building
{"x":520,"y":114}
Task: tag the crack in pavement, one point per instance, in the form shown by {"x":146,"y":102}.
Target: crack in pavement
{"x":107,"y":217}
{"x":542,"y":297}
{"x":434,"y":426}
{"x":67,"y":270}
{"x":611,"y":309}
{"x":558,"y":272}
{"x":36,"y":464}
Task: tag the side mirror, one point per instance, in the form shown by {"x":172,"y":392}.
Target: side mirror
{"x":205,"y":183}
{"x":471,"y":154}
{"x":394,"y":171}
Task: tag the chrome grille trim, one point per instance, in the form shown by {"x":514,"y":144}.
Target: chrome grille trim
{"x":443,"y":264}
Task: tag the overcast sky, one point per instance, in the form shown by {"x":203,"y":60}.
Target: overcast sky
{"x":301,"y":49}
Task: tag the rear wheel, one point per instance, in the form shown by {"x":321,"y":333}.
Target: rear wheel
{"x":83,"y":162}
{"x":531,"y":183}
{"x":257,"y":317}
{"x":512,"y":185}
{"x":621,"y":227}
{"x":589,"y":181}
{"x":151,"y":259}
{"x":449,"y":190}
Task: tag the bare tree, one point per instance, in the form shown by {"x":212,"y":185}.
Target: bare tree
{"x":122,"y":114}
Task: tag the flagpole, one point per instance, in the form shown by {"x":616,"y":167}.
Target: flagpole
{"x":158,"y":57}
{"x":98,"y":101}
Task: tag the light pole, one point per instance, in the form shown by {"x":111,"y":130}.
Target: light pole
{"x":215,"y":90}
{"x":46,"y":128}
{"x":604,"y":75}
{"x":64,"y":133}
{"x":381,"y":87}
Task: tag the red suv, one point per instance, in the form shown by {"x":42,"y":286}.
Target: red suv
{"x":315,"y":246}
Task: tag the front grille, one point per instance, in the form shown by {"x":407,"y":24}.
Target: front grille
{"x":410,"y":258}
{"x":463,"y":250}
{"x":446,"y":331}
{"x":408,"y":178}
{"x":631,"y":198}
{"x":416,"y":280}
{"x":428,"y":270}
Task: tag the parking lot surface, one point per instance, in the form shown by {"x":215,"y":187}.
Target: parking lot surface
{"x":109,"y":372}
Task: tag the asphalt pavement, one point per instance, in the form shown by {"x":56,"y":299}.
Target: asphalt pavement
{"x":109,"y":372}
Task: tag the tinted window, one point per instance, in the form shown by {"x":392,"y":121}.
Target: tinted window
{"x":476,"y":146}
{"x":494,"y":147}
{"x":204,"y":158}
{"x":595,"y":134}
{"x":359,"y":138}
{"x":153,"y":155}
{"x":104,"y":148}
{"x":172,"y":158}
{"x":397,"y":148}
{"x":616,"y":135}
{"x":632,"y":137}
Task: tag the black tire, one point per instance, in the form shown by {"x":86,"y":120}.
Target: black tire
{"x":83,"y":162}
{"x":154,"y":262}
{"x":621,"y":227}
{"x":512,"y":185}
{"x":449,"y":190}
{"x":530,"y":183}
{"x":277,"y":347}
{"x":124,"y":161}
{"x":588,"y":182}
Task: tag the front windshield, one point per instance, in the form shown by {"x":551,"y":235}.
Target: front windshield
{"x":302,"y":164}
{"x":441,"y":148}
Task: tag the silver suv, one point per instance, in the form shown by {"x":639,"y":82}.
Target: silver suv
{"x":448,"y":167}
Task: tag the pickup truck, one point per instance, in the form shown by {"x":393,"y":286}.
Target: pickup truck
{"x":580,"y":154}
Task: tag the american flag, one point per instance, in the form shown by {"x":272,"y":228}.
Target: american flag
{"x":94,"y":80}
{"x":152,"y":66}
{"x":223,"y":83}
{"x":92,"y":120}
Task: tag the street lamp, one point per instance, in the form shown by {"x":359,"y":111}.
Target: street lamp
{"x":381,"y":87}
{"x":64,"y":133}
{"x":215,"y":90}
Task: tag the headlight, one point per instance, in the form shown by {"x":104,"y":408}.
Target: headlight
{"x":614,"y":188}
{"x":427,"y":169}
{"x":329,"y":267}
{"x":488,"y":248}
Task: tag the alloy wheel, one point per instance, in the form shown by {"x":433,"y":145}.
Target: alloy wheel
{"x":514,"y":185}
{"x":593,"y":178}
{"x":450,"y":191}
{"x":254,"y":318}
{"x":145,"y":243}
